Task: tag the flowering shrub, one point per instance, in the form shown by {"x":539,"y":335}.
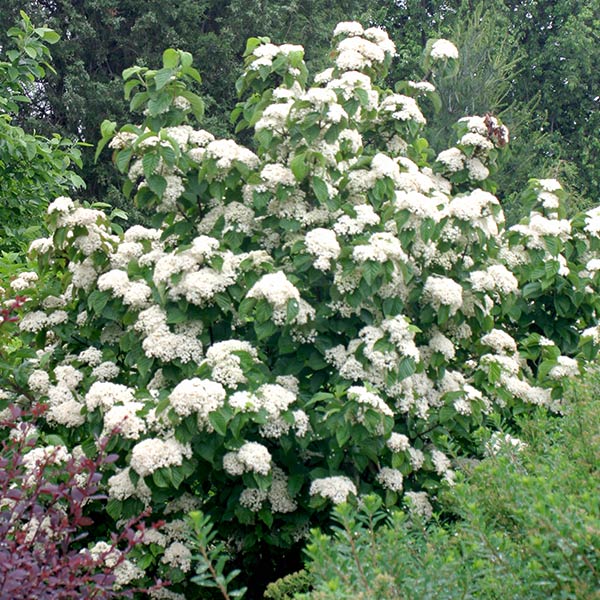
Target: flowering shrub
{"x":332,"y":313}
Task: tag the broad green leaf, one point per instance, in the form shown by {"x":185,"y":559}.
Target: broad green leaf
{"x":170,"y":58}
{"x":320,"y":189}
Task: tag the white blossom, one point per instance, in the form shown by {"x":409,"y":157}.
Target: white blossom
{"x":336,"y":488}
{"x":443,"y":49}
{"x":153,"y":453}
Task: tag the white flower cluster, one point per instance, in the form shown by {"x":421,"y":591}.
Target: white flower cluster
{"x":402,"y":336}
{"x":453,"y":159}
{"x":402,"y":108}
{"x":38,"y":458}
{"x":64,"y":408}
{"x":382,"y":246}
{"x":200,"y":396}
{"x":278,"y":290}
{"x":124,"y":420}
{"x":93,"y":231}
{"x":390,"y":479}
{"x":123,"y":569}
{"x":419,"y":504}
{"x":443,"y":291}
{"x":365,"y":216}
{"x":251,"y":457}
{"x":37,"y":320}
{"x":496,"y":279}
{"x":133,"y":293}
{"x":540,"y":227}
{"x":438,"y":342}
{"x":24,"y":281}
{"x":499,"y":341}
{"x":443,"y":49}
{"x":154,"y":453}
{"x":160,"y":342}
{"x":499,"y":443}
{"x":363,"y":396}
{"x":121,"y":487}
{"x":398,"y":442}
{"x":226,"y":364}
{"x":322,"y":243}
{"x":592,"y":222}
{"x":265,"y":54}
{"x":104,"y":395}
{"x":336,"y":488}
{"x":178,"y":555}
{"x":565,"y":367}
{"x":361,"y":48}
{"x":226,"y":153}
{"x":278,"y":495}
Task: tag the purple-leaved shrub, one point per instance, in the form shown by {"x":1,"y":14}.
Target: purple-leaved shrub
{"x":44,"y":491}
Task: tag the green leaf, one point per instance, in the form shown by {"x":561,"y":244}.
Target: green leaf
{"x":160,"y":478}
{"x":48,"y":35}
{"x":127,"y":73}
{"x":177,"y":476}
{"x":531,"y":289}
{"x":495,"y":372}
{"x":265,"y":330}
{"x":144,"y":364}
{"x":114,"y":508}
{"x":371,"y":270}
{"x":406,"y":368}
{"x":170,"y":58}
{"x":292,"y":310}
{"x":138,"y":100}
{"x":97,"y":300}
{"x":246,"y":308}
{"x":299,"y":166}
{"x":163,"y":77}
{"x":54,"y":440}
{"x":186,"y":58}
{"x":122,"y":159}
{"x":264,"y":311}
{"x":219,"y":422}
{"x":107,"y":128}
{"x":320,"y":189}
{"x":150,"y":163}
{"x":158,"y":184}
{"x":266,"y":516}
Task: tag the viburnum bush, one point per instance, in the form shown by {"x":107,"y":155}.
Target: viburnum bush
{"x":331,"y":312}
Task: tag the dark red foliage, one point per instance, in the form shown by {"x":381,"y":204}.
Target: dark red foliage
{"x":45,"y":562}
{"x":8,"y":313}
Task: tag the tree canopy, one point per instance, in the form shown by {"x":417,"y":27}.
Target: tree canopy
{"x":537,"y":66}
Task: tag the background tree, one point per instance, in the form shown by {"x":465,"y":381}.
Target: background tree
{"x":33,"y":168}
{"x":561,"y":43}
{"x":101,"y":38}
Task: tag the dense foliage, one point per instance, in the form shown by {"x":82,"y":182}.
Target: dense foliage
{"x":526,"y":524}
{"x":333,"y":313}
{"x":33,"y":168}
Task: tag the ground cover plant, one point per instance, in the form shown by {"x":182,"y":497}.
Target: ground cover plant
{"x":527,"y":524}
{"x":332,"y":312}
